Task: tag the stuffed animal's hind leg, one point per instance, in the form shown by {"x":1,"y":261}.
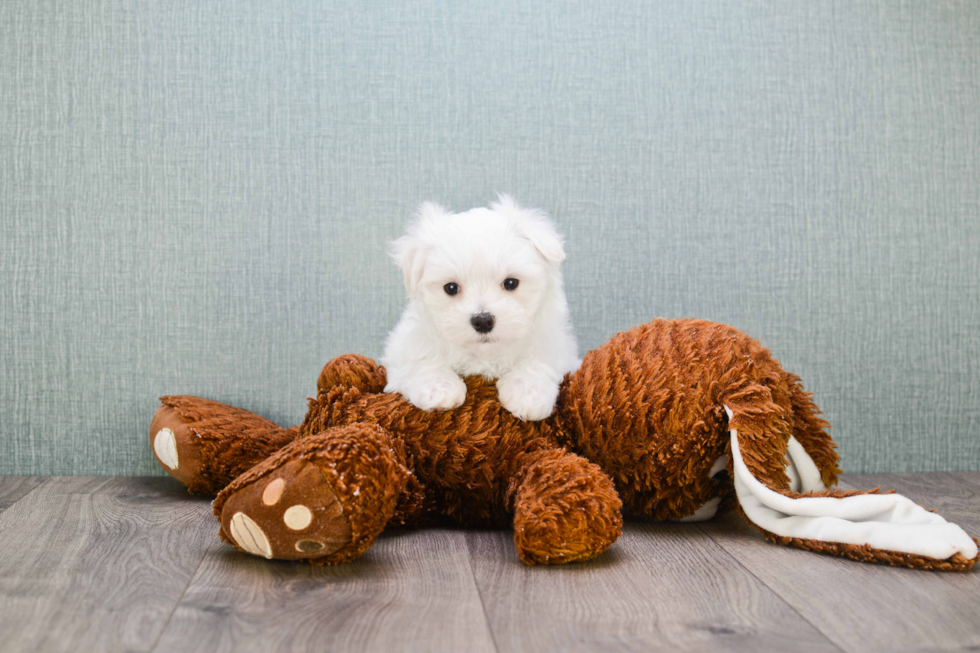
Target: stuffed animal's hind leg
{"x":205,"y":444}
{"x":565,"y":509}
{"x":324,"y":498}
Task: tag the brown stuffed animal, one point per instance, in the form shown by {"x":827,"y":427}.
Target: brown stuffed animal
{"x":678,"y":419}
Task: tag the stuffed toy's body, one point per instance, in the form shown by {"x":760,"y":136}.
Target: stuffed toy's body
{"x":675,"y":419}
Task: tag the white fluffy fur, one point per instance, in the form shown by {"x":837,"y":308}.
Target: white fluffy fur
{"x":531,"y":346}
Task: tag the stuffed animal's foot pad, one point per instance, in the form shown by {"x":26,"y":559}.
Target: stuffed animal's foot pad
{"x":290,"y":514}
{"x":165,"y":447}
{"x":173,"y":445}
{"x":249,"y":536}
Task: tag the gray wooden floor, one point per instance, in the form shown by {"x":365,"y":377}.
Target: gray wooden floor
{"x":135,"y":564}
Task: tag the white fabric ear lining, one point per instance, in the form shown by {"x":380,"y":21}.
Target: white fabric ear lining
{"x":888,"y":522}
{"x":803,"y":468}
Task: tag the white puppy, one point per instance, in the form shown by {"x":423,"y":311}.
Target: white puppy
{"x":485,"y":298}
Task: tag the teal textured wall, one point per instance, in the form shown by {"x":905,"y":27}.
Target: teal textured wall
{"x":195,"y":196}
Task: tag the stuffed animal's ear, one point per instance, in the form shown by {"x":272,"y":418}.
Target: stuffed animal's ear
{"x":534,"y":225}
{"x":408,"y":251}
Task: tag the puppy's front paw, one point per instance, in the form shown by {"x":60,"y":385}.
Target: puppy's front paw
{"x":443,"y":393}
{"x":528,"y":397}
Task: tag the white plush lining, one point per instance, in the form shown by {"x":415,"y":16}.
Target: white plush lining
{"x":802,"y":468}
{"x":705,"y":512}
{"x":888,"y":522}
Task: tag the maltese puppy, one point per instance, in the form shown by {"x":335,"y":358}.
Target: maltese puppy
{"x":485,"y":298}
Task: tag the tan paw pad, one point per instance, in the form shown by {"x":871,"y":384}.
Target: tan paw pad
{"x":272,"y":492}
{"x":249,"y":536}
{"x":165,"y":447}
{"x":297,"y":517}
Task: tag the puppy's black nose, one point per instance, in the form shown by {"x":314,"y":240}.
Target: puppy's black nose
{"x":482,"y":322}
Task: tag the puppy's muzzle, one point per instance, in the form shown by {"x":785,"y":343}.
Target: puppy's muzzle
{"x":482,"y":322}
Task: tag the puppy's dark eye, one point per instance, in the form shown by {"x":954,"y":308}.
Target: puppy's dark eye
{"x":451,"y":288}
{"x":511,"y":283}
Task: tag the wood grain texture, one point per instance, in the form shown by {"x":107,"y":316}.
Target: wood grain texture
{"x":13,"y":488}
{"x":412,"y":591}
{"x":863,"y":607}
{"x":92,"y":564}
{"x":662,"y":587}
{"x":117,"y":564}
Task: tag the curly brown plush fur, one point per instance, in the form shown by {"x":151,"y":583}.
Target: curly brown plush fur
{"x":648,"y":408}
{"x":642,"y":420}
{"x":215,"y":442}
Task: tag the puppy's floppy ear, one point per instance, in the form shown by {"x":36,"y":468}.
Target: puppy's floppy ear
{"x":405,"y":252}
{"x":534,"y":225}
{"x":545,"y":238}
{"x":408,"y":251}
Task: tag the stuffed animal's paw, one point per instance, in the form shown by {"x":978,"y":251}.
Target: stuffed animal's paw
{"x":205,"y":444}
{"x":444,"y":392}
{"x":527,"y":396}
{"x":290,"y":514}
{"x":175,"y":446}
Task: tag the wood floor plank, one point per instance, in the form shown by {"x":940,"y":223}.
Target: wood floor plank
{"x":97,"y":564}
{"x":134,"y":564}
{"x":12,"y":488}
{"x":864,"y":607}
{"x":662,"y":587}
{"x":413,"y":590}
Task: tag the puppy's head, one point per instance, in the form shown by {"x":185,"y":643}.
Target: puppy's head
{"x":481,"y":276}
